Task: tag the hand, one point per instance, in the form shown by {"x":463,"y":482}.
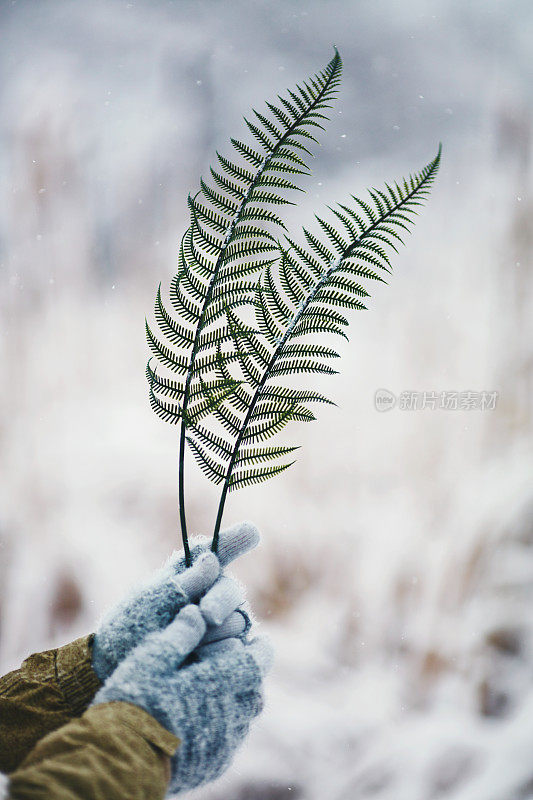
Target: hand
{"x":153,"y":606}
{"x":207,"y":702}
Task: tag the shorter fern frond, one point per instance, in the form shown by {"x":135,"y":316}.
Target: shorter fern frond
{"x":301,"y":295}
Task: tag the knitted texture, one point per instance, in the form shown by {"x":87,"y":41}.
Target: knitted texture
{"x":153,"y":605}
{"x":225,"y":595}
{"x":207,"y":700}
{"x":236,"y":625}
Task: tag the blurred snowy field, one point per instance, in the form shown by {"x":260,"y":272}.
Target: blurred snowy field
{"x":396,"y":571}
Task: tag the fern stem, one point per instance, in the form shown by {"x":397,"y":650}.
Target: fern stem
{"x":181,"y":500}
{"x":335,"y":265}
{"x":220,"y":260}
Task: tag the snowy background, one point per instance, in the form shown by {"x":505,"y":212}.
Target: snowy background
{"x":396,"y":571}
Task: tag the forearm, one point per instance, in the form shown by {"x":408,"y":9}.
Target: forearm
{"x":47,"y":691}
{"x":115,"y":751}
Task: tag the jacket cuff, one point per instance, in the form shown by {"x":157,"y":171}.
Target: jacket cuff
{"x":75,"y":676}
{"x":138,"y":720}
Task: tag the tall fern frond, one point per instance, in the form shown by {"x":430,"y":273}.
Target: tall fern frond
{"x":308,"y":291}
{"x":227,"y":245}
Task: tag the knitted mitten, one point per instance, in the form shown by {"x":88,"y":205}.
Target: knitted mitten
{"x":152,"y":606}
{"x":208,"y":701}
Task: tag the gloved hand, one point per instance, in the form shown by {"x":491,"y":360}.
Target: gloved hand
{"x":208,"y":699}
{"x":153,"y":606}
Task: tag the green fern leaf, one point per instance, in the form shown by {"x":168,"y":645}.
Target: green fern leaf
{"x":298,"y":296}
{"x":223,"y":388}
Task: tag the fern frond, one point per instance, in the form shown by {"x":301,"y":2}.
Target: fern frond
{"x":302,"y":298}
{"x":225,"y":372}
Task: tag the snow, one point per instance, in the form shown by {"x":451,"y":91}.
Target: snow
{"x":396,"y":572}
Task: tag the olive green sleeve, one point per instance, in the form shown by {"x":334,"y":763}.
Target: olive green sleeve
{"x":45,"y":693}
{"x":115,"y":751}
